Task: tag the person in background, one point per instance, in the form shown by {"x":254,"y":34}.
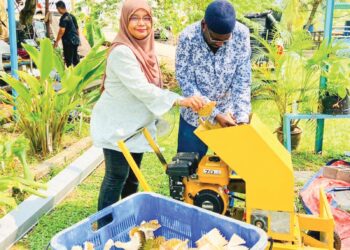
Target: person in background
{"x":69,"y":33}
{"x":213,"y":61}
{"x":132,"y":98}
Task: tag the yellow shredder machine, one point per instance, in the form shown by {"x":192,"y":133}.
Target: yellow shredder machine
{"x":261,"y":162}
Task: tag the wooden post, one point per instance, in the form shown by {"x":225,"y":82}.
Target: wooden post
{"x":47,"y":18}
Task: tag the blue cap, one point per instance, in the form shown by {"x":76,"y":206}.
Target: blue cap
{"x":220,"y":16}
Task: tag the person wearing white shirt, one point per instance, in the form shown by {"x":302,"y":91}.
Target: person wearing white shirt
{"x":132,"y":98}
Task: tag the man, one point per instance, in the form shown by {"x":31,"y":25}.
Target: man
{"x":69,"y":33}
{"x":213,"y":60}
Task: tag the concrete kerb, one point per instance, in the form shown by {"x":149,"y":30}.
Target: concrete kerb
{"x":20,"y":220}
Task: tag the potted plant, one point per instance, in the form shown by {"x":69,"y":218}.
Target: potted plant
{"x":335,"y":97}
{"x":291,"y":78}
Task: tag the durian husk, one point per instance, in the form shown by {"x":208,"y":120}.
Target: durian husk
{"x":109,"y":244}
{"x":213,"y":238}
{"x":153,"y":244}
{"x":174,"y":244}
{"x":89,"y":246}
{"x":207,"y":109}
{"x":235,"y":241}
{"x":76,"y":248}
{"x":151,"y":225}
{"x":148,"y":228}
{"x":133,"y":244}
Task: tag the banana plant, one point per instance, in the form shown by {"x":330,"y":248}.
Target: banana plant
{"x":12,"y":154}
{"x":41,"y":112}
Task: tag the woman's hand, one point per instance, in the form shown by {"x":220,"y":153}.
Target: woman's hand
{"x":193,"y":102}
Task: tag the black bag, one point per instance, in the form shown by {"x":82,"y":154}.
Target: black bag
{"x":75,"y":40}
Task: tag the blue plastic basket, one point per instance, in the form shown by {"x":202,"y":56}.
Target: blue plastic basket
{"x":177,"y":219}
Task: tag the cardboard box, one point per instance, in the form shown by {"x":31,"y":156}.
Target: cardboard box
{"x":344,"y":175}
{"x":330,"y":172}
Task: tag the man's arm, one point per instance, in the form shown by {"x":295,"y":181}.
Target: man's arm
{"x":242,"y":84}
{"x":62,"y":29}
{"x":59,"y":36}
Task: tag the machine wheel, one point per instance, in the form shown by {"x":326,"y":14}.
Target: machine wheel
{"x":209,"y":200}
{"x":337,"y":240}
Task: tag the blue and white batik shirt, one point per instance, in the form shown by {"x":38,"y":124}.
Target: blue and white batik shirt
{"x":224,"y":76}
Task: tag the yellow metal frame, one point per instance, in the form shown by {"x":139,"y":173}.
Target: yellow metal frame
{"x":122,"y":146}
{"x":266,"y":167}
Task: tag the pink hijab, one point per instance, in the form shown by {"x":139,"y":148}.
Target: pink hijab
{"x":143,"y":49}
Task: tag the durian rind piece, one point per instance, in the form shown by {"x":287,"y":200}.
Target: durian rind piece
{"x":153,"y":244}
{"x":134,"y":244}
{"x":76,"y":248}
{"x":109,"y":244}
{"x":149,"y":227}
{"x":235,"y":241}
{"x":214,"y":238}
{"x":207,"y":109}
{"x":237,"y":248}
{"x":174,"y":244}
{"x":88,"y":246}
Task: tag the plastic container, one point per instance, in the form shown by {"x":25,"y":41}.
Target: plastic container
{"x":178,"y":220}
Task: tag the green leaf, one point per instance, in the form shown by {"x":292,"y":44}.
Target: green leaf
{"x":89,"y":32}
{"x":33,"y":53}
{"x":46,"y":58}
{"x":31,"y":81}
{"x":342,"y":92}
{"x":22,"y":91}
{"x":58,"y":64}
{"x":8,"y":201}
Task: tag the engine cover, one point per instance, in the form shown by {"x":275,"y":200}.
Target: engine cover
{"x":213,"y":170}
{"x":209,"y":196}
{"x":209,"y":200}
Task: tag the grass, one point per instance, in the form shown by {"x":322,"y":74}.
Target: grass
{"x":82,"y":202}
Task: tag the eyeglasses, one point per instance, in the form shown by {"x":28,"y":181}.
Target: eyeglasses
{"x":136,"y":19}
{"x":211,"y":40}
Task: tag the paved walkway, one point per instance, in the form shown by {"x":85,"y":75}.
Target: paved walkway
{"x":302,"y":176}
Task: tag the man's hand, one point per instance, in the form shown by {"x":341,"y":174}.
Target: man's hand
{"x":226,"y":120}
{"x":59,"y":36}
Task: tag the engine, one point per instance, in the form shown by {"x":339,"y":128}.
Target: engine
{"x":202,"y":183}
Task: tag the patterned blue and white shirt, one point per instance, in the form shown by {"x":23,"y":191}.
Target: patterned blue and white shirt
{"x":224,"y":76}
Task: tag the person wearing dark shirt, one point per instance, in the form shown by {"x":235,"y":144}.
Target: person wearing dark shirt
{"x":69,"y":33}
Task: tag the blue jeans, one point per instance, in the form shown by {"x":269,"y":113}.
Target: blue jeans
{"x":188,"y":141}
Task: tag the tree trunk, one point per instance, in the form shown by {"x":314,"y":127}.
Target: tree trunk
{"x":315,"y":5}
{"x":27,"y":13}
{"x":3,"y":21}
{"x":47,"y":18}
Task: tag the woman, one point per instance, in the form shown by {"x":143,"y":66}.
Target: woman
{"x":132,"y":98}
